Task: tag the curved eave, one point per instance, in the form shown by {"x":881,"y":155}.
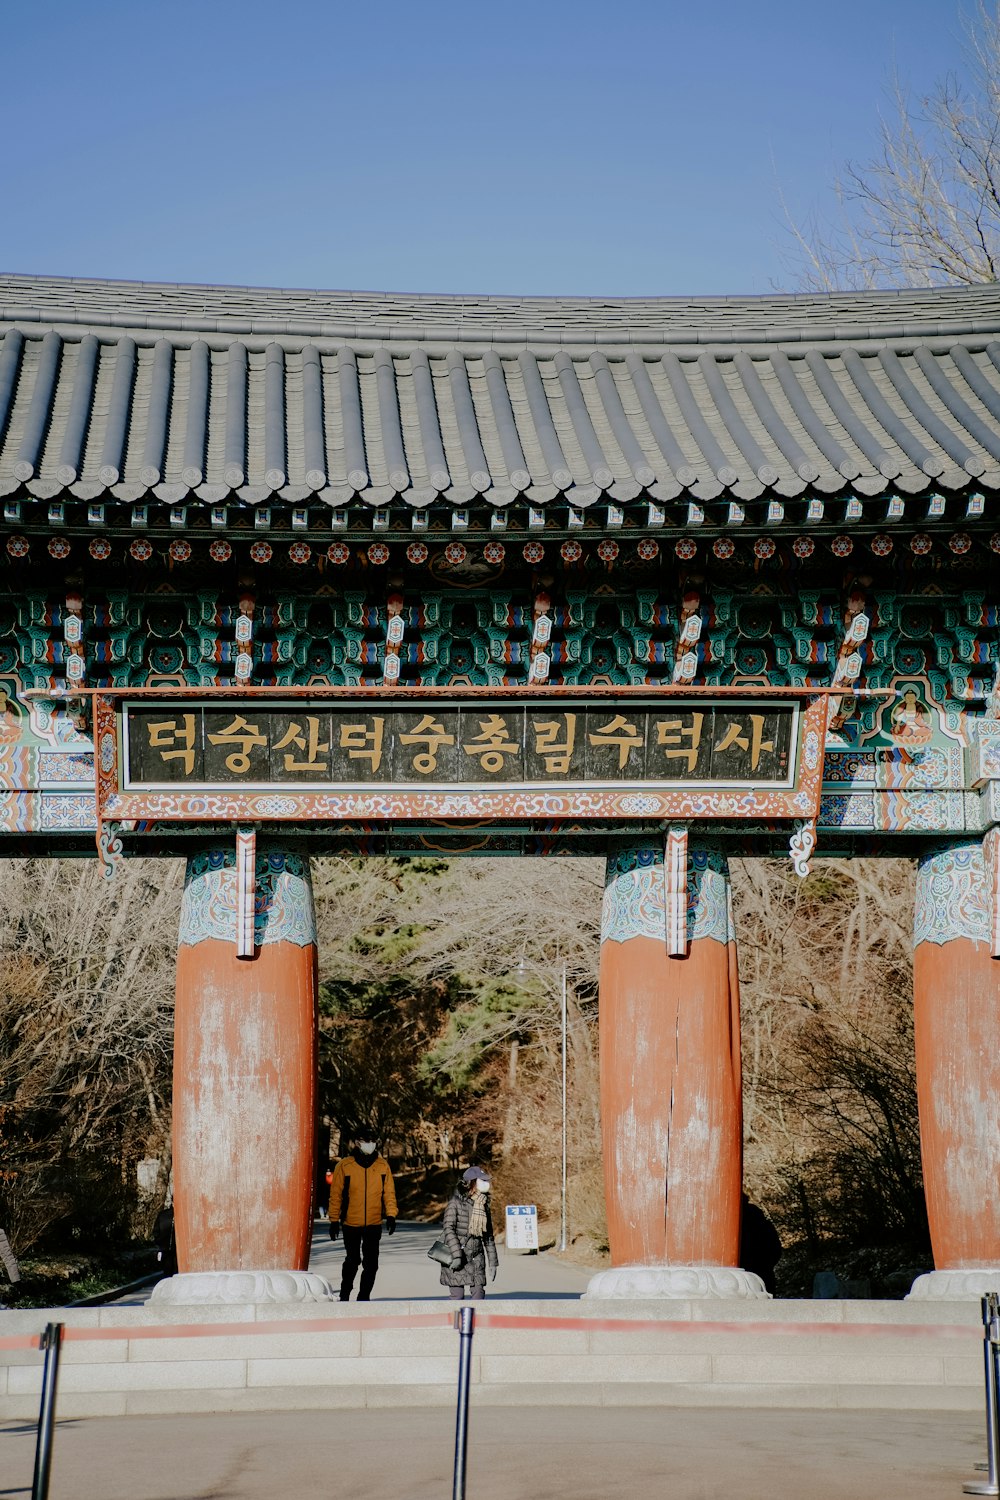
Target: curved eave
{"x":776,"y":398}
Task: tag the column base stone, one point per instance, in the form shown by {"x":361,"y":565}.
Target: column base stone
{"x":191,"y":1288}
{"x":956,"y":1285}
{"x":646,"y":1283}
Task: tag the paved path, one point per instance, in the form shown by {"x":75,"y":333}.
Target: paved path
{"x":559,"y":1453}
{"x":406,"y":1273}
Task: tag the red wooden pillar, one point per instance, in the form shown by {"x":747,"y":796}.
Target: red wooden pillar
{"x":671,"y":1089}
{"x":244,"y":1083}
{"x":957,"y":1040}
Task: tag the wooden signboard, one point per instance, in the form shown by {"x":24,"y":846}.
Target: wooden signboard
{"x":249,"y":755}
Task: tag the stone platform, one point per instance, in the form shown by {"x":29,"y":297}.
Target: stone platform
{"x":785,"y":1354}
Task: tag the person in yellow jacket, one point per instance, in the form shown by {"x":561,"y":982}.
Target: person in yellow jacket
{"x":361,"y":1193}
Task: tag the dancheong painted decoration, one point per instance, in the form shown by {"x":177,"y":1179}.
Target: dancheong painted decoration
{"x":659,"y":580}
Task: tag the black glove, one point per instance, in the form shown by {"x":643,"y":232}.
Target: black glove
{"x":334,"y":1229}
{"x":390,"y":1224}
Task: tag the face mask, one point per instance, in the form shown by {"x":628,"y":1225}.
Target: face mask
{"x":481,"y":1186}
{"x":366,"y":1147}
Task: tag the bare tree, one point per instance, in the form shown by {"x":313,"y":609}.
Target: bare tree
{"x":831,"y":1131}
{"x":514,"y":928}
{"x":86,"y":1028}
{"x":925,"y":209}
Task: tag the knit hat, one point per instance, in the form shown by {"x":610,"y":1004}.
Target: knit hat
{"x":477,"y":1174}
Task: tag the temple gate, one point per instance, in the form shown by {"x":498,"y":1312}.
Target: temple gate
{"x":656,"y":579}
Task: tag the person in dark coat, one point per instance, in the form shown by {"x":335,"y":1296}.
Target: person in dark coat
{"x":760,"y":1244}
{"x":166,"y":1243}
{"x":468,"y":1233}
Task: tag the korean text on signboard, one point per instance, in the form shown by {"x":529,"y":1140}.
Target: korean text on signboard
{"x":435,"y":743}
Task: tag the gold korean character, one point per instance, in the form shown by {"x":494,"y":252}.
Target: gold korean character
{"x":736,"y":734}
{"x":244,"y":735}
{"x":362,"y":743}
{"x":555,"y":752}
{"x":432,"y":734}
{"x":174,"y":739}
{"x":672,"y":733}
{"x":622,"y":735}
{"x":307,"y":742}
{"x":492,"y":743}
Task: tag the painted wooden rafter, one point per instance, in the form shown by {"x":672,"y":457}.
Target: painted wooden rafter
{"x":246,"y":890}
{"x":395,"y":632}
{"x":541,"y":639}
{"x":688,"y":637}
{"x":847,"y":672}
{"x":675,"y":880}
{"x":243,"y":665}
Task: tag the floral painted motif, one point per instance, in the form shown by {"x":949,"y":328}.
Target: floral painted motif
{"x":533,"y":552}
{"x":842,"y":546}
{"x":637,"y":803}
{"x":261,"y":552}
{"x":571,"y":551}
{"x":494,"y":552}
{"x":141,"y":549}
{"x":416,"y":553}
{"x":455,"y":553}
{"x":18,"y":546}
{"x":283,"y":908}
{"x":960,"y":543}
{"x":723,"y":547}
{"x":952,"y":896}
{"x":180,"y":550}
{"x":338,"y":553}
{"x":59,"y":547}
{"x":220,"y":551}
{"x":648,"y":548}
{"x":881,"y":545}
{"x":607,"y":551}
{"x":920,"y":543}
{"x":803,"y":546}
{"x":995,"y":542}
{"x":100,"y":548}
{"x":635,"y":896}
{"x":764,"y":547}
{"x":378,"y":554}
{"x":685,"y":548}
{"x":300,"y":553}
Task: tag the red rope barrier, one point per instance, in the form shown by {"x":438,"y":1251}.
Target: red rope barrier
{"x":622,"y":1325}
{"x":445,"y":1319}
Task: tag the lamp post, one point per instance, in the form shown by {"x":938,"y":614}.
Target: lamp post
{"x":563,"y":1214}
{"x":522,"y":970}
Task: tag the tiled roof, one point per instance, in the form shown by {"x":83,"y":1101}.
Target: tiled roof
{"x":119,"y":390}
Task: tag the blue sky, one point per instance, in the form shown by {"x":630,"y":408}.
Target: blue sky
{"x":628,"y":147}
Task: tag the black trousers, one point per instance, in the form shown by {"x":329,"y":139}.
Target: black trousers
{"x":360,"y":1249}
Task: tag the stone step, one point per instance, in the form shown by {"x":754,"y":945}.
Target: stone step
{"x":892,"y":1355}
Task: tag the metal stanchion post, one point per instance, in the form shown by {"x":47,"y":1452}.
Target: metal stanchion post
{"x":51,"y":1343}
{"x":465,"y":1320}
{"x":991,"y":1356}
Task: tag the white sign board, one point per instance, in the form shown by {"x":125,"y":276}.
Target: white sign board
{"x":522,"y":1226}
